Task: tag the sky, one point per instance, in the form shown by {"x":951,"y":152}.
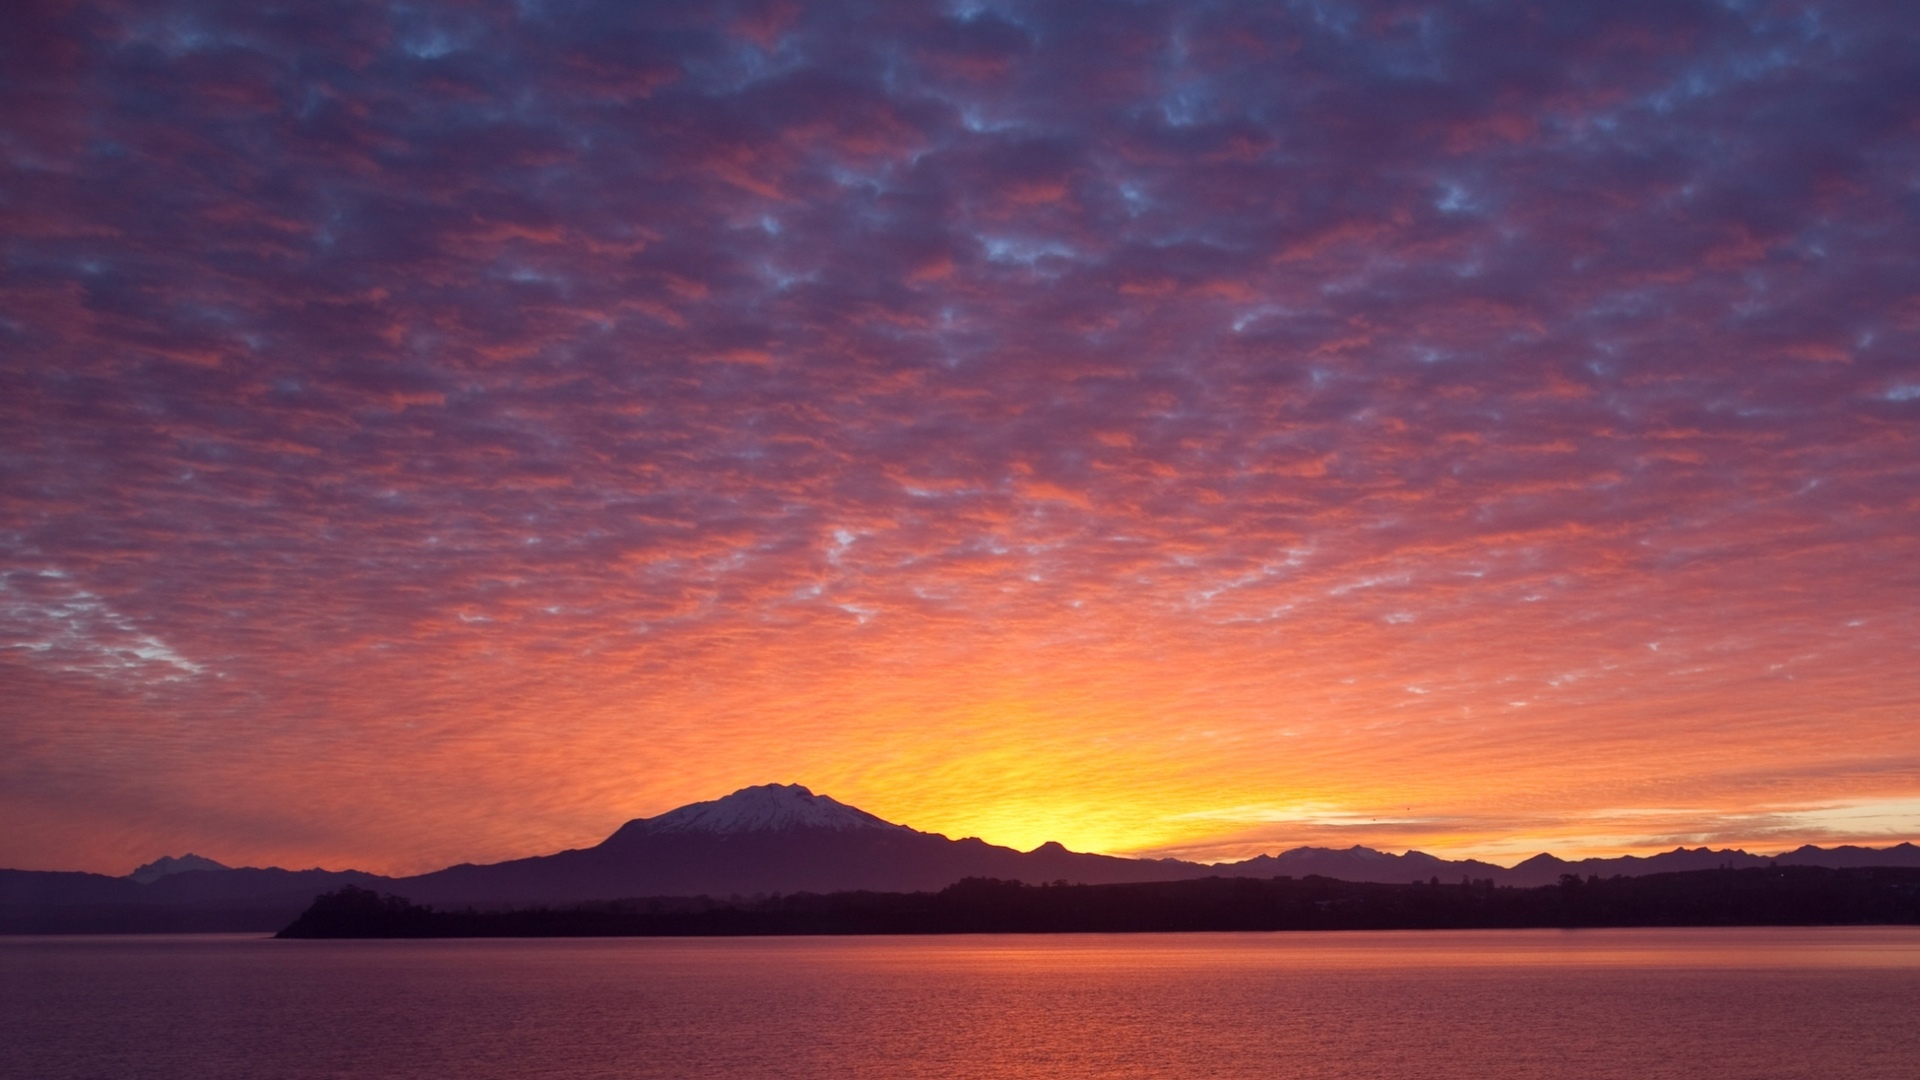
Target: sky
{"x":441,"y":432}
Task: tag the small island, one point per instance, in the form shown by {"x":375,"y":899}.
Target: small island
{"x":1768,"y":896}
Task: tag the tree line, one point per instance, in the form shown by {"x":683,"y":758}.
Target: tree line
{"x":1770,"y":896}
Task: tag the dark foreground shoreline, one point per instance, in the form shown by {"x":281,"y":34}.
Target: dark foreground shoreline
{"x":1773,"y":896}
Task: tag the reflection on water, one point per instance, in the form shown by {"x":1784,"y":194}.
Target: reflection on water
{"x":1747,"y":1004}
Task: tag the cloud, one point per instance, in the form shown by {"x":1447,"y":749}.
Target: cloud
{"x":487,"y":397}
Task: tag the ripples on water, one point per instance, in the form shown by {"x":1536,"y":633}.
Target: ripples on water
{"x":1703,"y":1005}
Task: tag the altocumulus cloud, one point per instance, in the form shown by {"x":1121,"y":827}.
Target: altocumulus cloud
{"x":1025,"y":418}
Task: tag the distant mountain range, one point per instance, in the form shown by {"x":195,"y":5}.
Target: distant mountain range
{"x":760,"y":840}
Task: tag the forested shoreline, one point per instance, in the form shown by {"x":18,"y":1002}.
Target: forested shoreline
{"x":1771,"y":896}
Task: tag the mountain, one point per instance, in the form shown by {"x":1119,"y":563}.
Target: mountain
{"x":1366,"y":864}
{"x":227,"y":899}
{"x":1362,"y":864}
{"x":1848,"y":856}
{"x":1546,"y":869}
{"x":776,"y":838}
{"x":778,"y":807}
{"x":167,"y":865}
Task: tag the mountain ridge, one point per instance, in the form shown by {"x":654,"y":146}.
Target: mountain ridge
{"x":776,"y":839}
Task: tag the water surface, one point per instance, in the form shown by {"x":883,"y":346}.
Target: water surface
{"x":1746,"y":1004}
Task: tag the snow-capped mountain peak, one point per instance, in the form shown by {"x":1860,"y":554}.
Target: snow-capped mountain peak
{"x":768,"y":807}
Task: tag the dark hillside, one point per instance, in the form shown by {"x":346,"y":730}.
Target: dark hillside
{"x":1775,"y":896}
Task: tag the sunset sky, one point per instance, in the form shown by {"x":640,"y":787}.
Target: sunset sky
{"x":442,"y":432}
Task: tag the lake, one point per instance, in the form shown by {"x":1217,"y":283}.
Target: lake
{"x":1751,"y":1004}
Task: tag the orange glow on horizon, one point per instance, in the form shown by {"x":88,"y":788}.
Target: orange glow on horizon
{"x":1110,"y":728}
